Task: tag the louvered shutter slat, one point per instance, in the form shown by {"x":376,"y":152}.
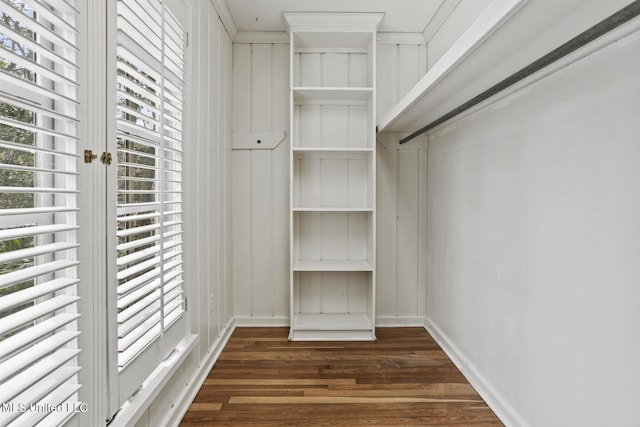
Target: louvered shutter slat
{"x":129,"y":218}
{"x":42,"y":130}
{"x":55,"y":398}
{"x":29,"y":273}
{"x":138,"y":294}
{"x":29,"y":377}
{"x":36,"y":150}
{"x":137,"y":308}
{"x":138,"y":230}
{"x":138,"y":346}
{"x":126,"y":327}
{"x":37,"y":190}
{"x":37,"y":68}
{"x":38,"y":250}
{"x":132,"y":129}
{"x":128,"y":286}
{"x":41,"y":170}
{"x":35,"y":353}
{"x":136,"y":333}
{"x":138,"y":268}
{"x":28,"y":336}
{"x":35,"y":394}
{"x":137,"y":256}
{"x":35,"y":312}
{"x":36,"y":108}
{"x":132,"y":208}
{"x":22,"y":297}
{"x":44,"y":51}
{"x":35,"y":26}
{"x":135,"y":91}
{"x":17,"y":233}
{"x":22,"y":85}
{"x":50,"y":16}
{"x":138,"y":243}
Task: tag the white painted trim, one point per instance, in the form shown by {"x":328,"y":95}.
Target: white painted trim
{"x":272,"y":37}
{"x":264,"y":322}
{"x":197,"y":380}
{"x":442,"y":14}
{"x":399,"y":321}
{"x":330,"y":21}
{"x":496,"y":401}
{"x":491,"y":19}
{"x":225,"y":16}
{"x":400,"y":38}
{"x":92,"y":269}
{"x":132,"y":410}
{"x":503,"y":98}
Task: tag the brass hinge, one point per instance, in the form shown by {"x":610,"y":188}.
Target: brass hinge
{"x":106,"y":158}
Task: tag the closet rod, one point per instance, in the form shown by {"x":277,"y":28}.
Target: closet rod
{"x":612,"y":22}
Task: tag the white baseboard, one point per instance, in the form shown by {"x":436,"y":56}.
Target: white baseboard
{"x":184,"y":401}
{"x":399,"y":321}
{"x":381,"y":322}
{"x":485,"y":389}
{"x":266,"y":322}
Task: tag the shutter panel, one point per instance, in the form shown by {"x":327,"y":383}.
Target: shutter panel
{"x":150,"y":72}
{"x":38,"y":210}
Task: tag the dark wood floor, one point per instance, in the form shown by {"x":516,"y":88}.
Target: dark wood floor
{"x":402,"y":379}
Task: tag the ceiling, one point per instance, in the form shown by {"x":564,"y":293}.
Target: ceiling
{"x":402,"y":16}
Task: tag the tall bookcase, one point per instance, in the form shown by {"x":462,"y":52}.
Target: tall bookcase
{"x":332,"y":175}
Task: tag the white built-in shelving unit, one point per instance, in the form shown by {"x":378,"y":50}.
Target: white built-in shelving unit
{"x":332,"y":175}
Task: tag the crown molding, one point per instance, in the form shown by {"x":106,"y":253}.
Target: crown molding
{"x":225,"y":15}
{"x":328,"y":21}
{"x":400,"y":38}
{"x":274,"y":37}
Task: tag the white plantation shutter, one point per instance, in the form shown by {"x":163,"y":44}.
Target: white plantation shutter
{"x":150,"y":67}
{"x":38,"y":210}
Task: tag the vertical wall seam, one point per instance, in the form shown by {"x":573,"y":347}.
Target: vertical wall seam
{"x":426,"y":254}
{"x":419,"y":233}
{"x":272,"y":192}
{"x":395,"y":273}
{"x":250,"y":84}
{"x":251,"y":227}
{"x":396,"y":55}
{"x":273,"y":240}
{"x":271,"y":54}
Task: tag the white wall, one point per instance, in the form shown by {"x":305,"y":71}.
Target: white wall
{"x":261,"y":188}
{"x":534,"y":242}
{"x":399,"y":67}
{"x":401,"y":232}
{"x":261,"y":185}
{"x":401,"y":205}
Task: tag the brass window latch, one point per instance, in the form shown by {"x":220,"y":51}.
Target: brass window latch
{"x":89,"y":156}
{"x":105,"y":158}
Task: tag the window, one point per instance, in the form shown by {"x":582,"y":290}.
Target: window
{"x":38,"y":211}
{"x":149,"y":82}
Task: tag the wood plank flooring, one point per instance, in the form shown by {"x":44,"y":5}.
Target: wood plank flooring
{"x":402,"y":379}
